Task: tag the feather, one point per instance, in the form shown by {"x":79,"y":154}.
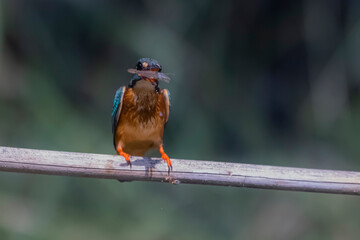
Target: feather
{"x":167,"y":98}
{"x":116,"y":110}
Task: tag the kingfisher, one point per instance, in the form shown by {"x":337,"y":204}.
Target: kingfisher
{"x":141,"y":111}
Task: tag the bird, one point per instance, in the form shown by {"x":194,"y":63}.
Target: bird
{"x":140,"y":112}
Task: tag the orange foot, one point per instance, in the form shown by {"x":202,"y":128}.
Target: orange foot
{"x":125,"y":155}
{"x":166,"y":158}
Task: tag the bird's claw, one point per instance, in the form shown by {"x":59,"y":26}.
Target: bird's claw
{"x":125,"y":155}
{"x":169,"y":169}
{"x":166,"y":159}
{"x":129,"y":163}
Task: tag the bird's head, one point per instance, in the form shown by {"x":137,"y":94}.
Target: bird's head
{"x":147,"y":73}
{"x":148,"y":64}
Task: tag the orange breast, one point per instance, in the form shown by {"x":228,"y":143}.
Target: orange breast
{"x":141,"y":123}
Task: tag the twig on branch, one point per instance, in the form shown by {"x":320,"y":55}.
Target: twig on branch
{"x":184,"y":171}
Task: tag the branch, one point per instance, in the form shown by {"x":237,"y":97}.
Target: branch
{"x":184,"y":171}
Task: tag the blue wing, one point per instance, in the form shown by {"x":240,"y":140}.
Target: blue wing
{"x":116,"y":110}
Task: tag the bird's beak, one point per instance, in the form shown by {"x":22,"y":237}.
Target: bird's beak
{"x":152,"y":80}
{"x":156,"y":69}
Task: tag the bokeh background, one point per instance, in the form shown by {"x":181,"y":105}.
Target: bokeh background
{"x":262,"y":82}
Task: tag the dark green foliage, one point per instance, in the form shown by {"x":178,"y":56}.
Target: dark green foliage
{"x":265,"y":82}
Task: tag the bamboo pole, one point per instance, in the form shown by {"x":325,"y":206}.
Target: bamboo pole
{"x":184,"y":171}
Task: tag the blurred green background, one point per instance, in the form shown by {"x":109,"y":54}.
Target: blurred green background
{"x":262,"y":82}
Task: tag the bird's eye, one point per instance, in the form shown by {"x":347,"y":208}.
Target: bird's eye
{"x":139,"y":66}
{"x":159,"y":68}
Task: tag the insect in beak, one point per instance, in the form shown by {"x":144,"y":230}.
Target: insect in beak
{"x":151,"y":75}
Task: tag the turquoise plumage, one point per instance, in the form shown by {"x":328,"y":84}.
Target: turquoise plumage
{"x":117,"y":107}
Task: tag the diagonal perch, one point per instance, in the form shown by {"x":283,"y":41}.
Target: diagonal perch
{"x":184,"y":171}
